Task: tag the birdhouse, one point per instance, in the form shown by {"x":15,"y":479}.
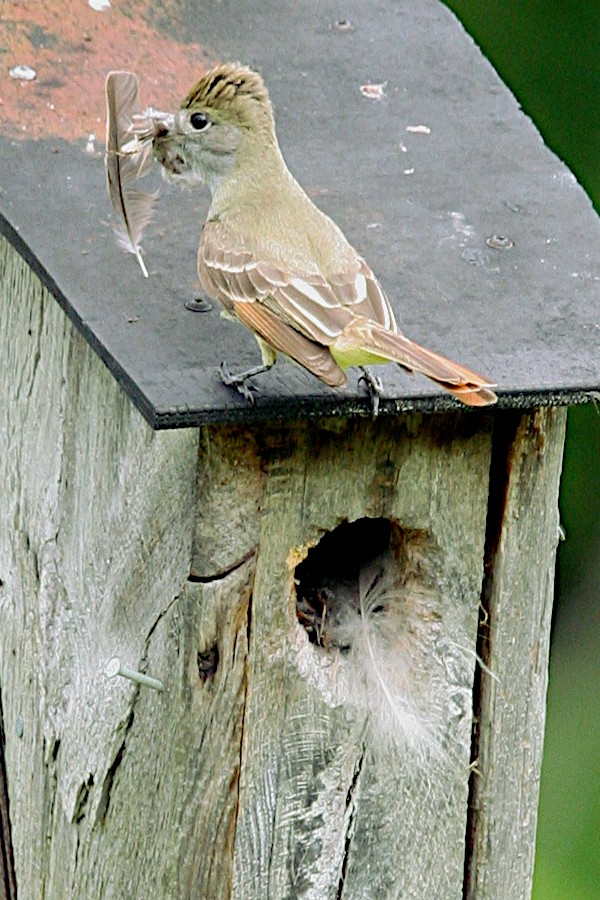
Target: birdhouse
{"x":281,"y":648}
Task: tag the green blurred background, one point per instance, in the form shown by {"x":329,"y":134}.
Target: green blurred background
{"x":548,"y":53}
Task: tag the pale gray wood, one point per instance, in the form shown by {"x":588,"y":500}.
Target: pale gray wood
{"x":322,"y":812}
{"x":168,"y":831}
{"x":518,"y":600}
{"x":95,"y":543}
{"x":228,"y":498}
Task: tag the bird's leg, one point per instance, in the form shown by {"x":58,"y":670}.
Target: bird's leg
{"x":239,"y":379}
{"x":374,"y":387}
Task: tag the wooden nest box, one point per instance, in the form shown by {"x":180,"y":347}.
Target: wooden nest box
{"x":310,"y":588}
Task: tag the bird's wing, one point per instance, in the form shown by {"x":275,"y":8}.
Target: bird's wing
{"x":312,"y":356}
{"x":249,"y":289}
{"x":318,"y":307}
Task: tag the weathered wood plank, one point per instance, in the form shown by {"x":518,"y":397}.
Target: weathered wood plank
{"x":230,"y":484}
{"x":324,"y":811}
{"x":168,"y":824}
{"x":95,"y":544}
{"x":520,"y":561}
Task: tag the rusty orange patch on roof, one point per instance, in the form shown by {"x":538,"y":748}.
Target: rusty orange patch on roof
{"x":72,"y":47}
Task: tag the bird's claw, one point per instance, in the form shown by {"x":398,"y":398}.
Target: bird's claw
{"x":374,"y":387}
{"x":228,"y":377}
{"x":239,"y":381}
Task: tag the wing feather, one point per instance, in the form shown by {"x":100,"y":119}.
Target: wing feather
{"x":282,"y":337}
{"x":318,"y":308}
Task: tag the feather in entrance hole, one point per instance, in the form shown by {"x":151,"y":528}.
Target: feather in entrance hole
{"x":383,"y":647}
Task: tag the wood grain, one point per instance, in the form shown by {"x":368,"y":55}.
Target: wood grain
{"x":322,"y":812}
{"x":95,"y":544}
{"x":523,"y":530}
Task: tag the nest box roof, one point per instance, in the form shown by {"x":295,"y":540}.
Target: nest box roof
{"x":482,"y":238}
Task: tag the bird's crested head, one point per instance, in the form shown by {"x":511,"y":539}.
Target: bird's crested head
{"x":231,"y":94}
{"x":227,"y":109}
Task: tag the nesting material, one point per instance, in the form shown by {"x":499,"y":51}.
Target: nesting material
{"x":371,"y":603}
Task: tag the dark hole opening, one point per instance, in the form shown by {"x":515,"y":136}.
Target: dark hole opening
{"x":208,"y":662}
{"x":327,"y":581}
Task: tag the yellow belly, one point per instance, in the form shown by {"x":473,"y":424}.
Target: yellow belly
{"x":356,"y":357}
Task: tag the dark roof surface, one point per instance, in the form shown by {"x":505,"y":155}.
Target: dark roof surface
{"x":484,"y":241}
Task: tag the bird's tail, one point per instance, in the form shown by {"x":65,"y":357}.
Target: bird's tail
{"x":370,"y":337}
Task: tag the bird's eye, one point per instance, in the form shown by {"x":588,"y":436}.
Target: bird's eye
{"x":199,"y":121}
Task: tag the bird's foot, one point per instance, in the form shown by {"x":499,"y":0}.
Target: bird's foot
{"x":239,"y":380}
{"x":374,"y":387}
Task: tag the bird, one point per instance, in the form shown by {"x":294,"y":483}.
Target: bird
{"x":277,"y":263}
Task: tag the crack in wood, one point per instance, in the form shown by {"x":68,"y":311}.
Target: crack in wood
{"x":214,"y":862}
{"x":81,"y":801}
{"x":109,"y":778}
{"x":8,"y":880}
{"x":506,"y":425}
{"x":350,"y":820}
{"x":219,"y":576}
{"x":50,"y":755}
{"x":243,"y":722}
{"x":154,"y":626}
{"x":522,"y":505}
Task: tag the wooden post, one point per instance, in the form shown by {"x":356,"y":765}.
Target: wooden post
{"x":265,"y":768}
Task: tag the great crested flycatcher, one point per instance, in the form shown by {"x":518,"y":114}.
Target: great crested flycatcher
{"x":276,"y":262}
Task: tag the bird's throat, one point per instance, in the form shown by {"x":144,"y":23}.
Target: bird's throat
{"x":258,"y":171}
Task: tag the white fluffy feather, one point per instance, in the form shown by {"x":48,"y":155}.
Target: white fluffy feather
{"x":389,"y":651}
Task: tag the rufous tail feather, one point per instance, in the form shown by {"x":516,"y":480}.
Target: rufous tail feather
{"x":467,"y":386}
